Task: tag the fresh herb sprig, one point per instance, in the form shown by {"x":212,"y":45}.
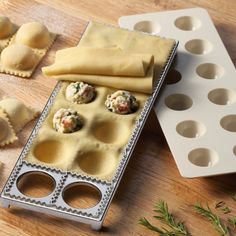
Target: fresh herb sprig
{"x":232,"y":221}
{"x":166,"y":217}
{"x":162,"y":232}
{"x":213,"y":218}
{"x":222,"y":206}
{"x":176,"y":228}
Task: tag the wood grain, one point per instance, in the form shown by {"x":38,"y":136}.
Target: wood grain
{"x":151,"y":174}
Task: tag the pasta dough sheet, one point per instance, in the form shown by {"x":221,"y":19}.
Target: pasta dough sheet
{"x":99,"y":61}
{"x":95,"y":150}
{"x":100,"y":36}
{"x":18,"y":114}
{"x":7,"y":134}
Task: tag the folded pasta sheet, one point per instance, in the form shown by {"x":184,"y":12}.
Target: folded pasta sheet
{"x":99,"y":61}
{"x":113,"y":57}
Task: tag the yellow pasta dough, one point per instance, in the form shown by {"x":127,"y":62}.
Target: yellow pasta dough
{"x":19,"y":60}
{"x":130,"y":71}
{"x":7,"y":29}
{"x":99,"y":61}
{"x":100,"y":36}
{"x":95,"y":149}
{"x":18,"y":114}
{"x":18,"y":57}
{"x":33,"y":34}
{"x":7,"y":134}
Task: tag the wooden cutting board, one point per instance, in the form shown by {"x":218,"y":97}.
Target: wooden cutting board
{"x":151,"y":174}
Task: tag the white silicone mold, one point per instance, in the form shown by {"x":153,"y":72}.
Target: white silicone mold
{"x":197,"y":107}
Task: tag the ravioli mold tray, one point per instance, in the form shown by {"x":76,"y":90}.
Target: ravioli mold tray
{"x":197,"y":107}
{"x":54,"y":203}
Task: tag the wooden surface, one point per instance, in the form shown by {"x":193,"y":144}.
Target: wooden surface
{"x":151,"y":174}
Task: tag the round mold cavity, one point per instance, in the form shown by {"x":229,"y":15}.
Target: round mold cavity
{"x":173,"y":77}
{"x":198,"y":46}
{"x":191,"y":129}
{"x":222,"y":96}
{"x":97,"y":162}
{"x":110,"y":131}
{"x":229,"y":123}
{"x":203,"y":157}
{"x":178,"y":102}
{"x":187,"y":23}
{"x":234,"y":150}
{"x":81,"y":195}
{"x":50,"y":151}
{"x":150,"y":27}
{"x":210,"y":71}
{"x":36,"y":184}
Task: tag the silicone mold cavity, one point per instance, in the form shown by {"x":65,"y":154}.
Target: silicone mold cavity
{"x":148,"y":27}
{"x":178,"y":102}
{"x":203,"y":157}
{"x":229,"y":123}
{"x":222,"y":96}
{"x":188,"y":23}
{"x":198,"y":46}
{"x":210,"y":71}
{"x":191,"y":129}
{"x":234,"y":150}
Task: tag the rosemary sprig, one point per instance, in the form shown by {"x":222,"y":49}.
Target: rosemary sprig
{"x":177,"y":228}
{"x":226,"y":210}
{"x":232,"y":221}
{"x":166,"y":217}
{"x":222,"y":206}
{"x":164,"y":232}
{"x":213,"y":218}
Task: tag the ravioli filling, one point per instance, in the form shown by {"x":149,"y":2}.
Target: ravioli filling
{"x":67,"y":121}
{"x":80,"y":92}
{"x":121,"y":102}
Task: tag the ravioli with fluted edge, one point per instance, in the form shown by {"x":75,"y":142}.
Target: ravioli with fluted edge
{"x":7,"y":134}
{"x":33,"y":34}
{"x":18,"y":113}
{"x":7,"y":29}
{"x":18,"y":57}
{"x":26,"y":48}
